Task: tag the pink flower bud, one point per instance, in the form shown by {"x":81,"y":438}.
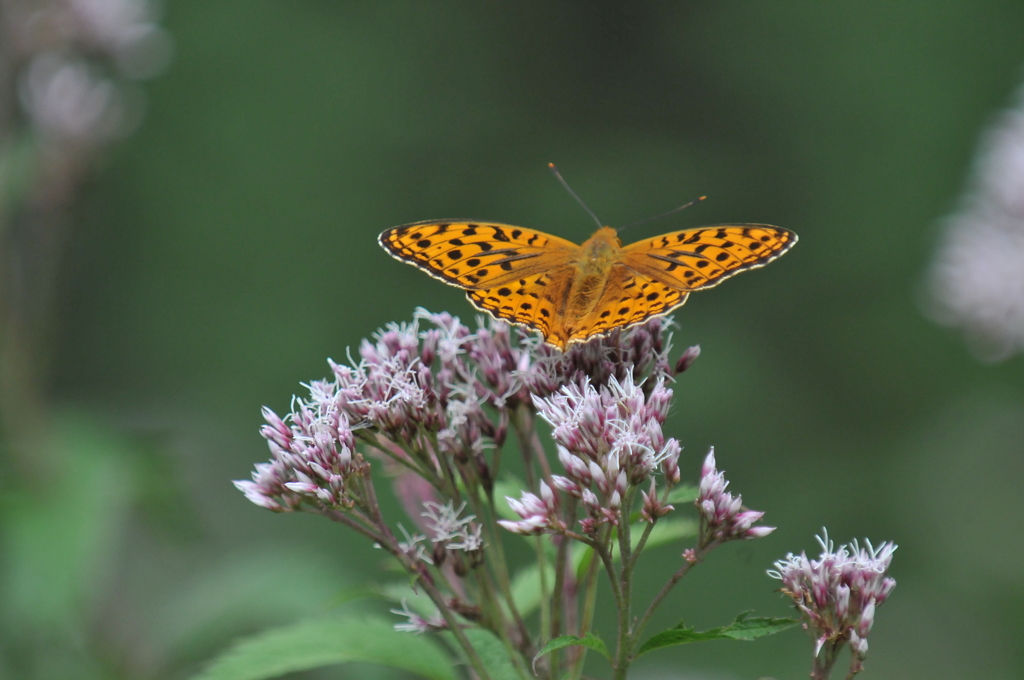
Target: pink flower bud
{"x":867,"y":619}
{"x":687,"y":358}
{"x":548,"y":496}
{"x":887,"y":585}
{"x":567,"y":485}
{"x":842,"y":601}
{"x":709,"y":464}
{"x":598,"y":476}
{"x":758,"y":532}
{"x":858,"y":645}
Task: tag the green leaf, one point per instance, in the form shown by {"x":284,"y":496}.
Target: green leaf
{"x":493,"y":654}
{"x":243,"y":592}
{"x":58,"y":545}
{"x":328,"y":641}
{"x":526,"y":592}
{"x":683,"y":493}
{"x":743,"y":628}
{"x":589,"y":640}
{"x":582,"y":556}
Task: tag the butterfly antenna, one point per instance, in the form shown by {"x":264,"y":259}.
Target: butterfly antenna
{"x":572,"y":193}
{"x":658,"y":217}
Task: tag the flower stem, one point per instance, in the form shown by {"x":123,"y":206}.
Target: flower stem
{"x":624,"y":644}
{"x":699,"y":553}
{"x":474,"y":659}
{"x":545,"y":603}
{"x":643,"y":542}
{"x":825,"y":660}
{"x":589,"y":605}
{"x":503,"y":578}
{"x":388,"y":543}
{"x":370,"y":438}
{"x":558,"y":601}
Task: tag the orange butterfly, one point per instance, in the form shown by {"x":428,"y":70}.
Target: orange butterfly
{"x":572,"y":293}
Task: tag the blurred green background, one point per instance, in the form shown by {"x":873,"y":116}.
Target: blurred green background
{"x":227,"y":248}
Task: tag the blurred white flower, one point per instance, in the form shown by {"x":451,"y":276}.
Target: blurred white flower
{"x":127,"y":30}
{"x":74,"y":62}
{"x":977,"y":278}
{"x":68,"y":100}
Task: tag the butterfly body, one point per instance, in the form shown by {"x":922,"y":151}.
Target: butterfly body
{"x":593,"y":263}
{"x":571,"y":293}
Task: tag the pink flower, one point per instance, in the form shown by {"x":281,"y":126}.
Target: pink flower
{"x":839,"y":592}
{"x":722,"y":515}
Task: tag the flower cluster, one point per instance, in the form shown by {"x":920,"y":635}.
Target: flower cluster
{"x":422,"y":396}
{"x":433,"y":401}
{"x":609,"y":439}
{"x":837,"y":594}
{"x":313,"y":457}
{"x":722,"y":515}
{"x":634,"y":354}
{"x":451,"y":533}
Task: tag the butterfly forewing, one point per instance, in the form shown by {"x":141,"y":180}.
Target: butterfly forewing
{"x":701,"y":258}
{"x":476,"y":255}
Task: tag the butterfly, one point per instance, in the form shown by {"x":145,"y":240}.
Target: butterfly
{"x":571,"y":293}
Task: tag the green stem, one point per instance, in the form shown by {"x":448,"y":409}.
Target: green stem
{"x":499,"y":627}
{"x":388,"y":543}
{"x":545,"y":604}
{"x":589,"y":607}
{"x":499,"y":567}
{"x":626,"y":587}
{"x":456,"y":629}
{"x":503,"y":577}
{"x":823,"y":662}
{"x":496,"y":458}
{"x":699,"y":553}
{"x":373,"y":440}
{"x":559,"y":592}
{"x":643,"y":542}
{"x":444,"y":462}
{"x":522,"y":421}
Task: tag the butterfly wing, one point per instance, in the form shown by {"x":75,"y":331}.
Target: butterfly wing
{"x":696,"y":259}
{"x":629,"y":298}
{"x":476,"y":255}
{"x":536,"y":301}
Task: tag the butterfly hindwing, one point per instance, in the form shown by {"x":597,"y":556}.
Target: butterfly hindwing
{"x":476,"y":255}
{"x":535,"y":301}
{"x":701,"y":258}
{"x":629,"y":298}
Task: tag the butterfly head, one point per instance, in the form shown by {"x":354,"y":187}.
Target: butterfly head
{"x":601,"y":249}
{"x":608,"y":234}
